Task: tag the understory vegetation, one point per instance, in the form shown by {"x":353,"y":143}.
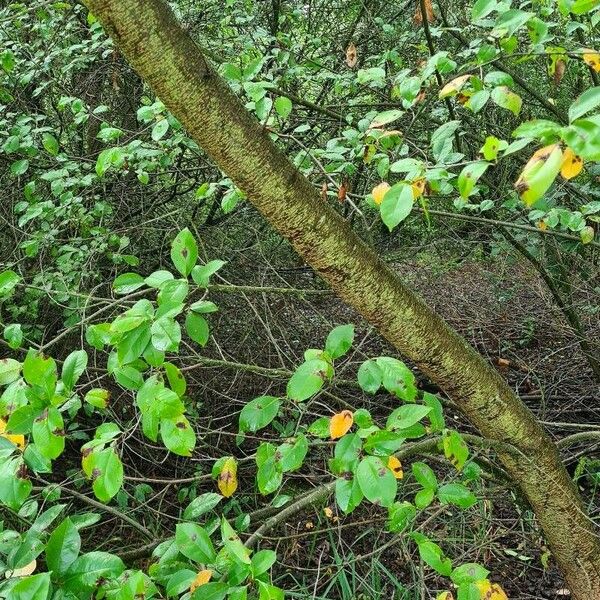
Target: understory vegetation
{"x":187,"y":407}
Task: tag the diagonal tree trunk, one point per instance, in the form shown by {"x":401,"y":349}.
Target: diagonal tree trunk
{"x":147,"y":33}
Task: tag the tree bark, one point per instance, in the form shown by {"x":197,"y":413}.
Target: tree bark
{"x":149,"y":36}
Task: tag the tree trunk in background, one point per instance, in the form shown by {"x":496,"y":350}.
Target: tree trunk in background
{"x":168,"y":60}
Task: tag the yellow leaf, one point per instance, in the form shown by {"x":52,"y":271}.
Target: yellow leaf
{"x":571,"y":165}
{"x":28,"y":569}
{"x":17,"y":440}
{"x":592,"y":59}
{"x":379,"y":192}
{"x":202,"y":578}
{"x":418,"y":187}
{"x":444,"y":596}
{"x":454,"y":86}
{"x":328,"y":512}
{"x":395,"y":466}
{"x":227,"y":481}
{"x":351,"y":55}
{"x":340,"y":424}
{"x":490,"y":591}
{"x":539,"y":173}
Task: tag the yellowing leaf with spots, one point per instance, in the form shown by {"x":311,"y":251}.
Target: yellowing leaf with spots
{"x":454,"y":86}
{"x":539,"y":173}
{"x":490,"y":591}
{"x":592,"y":59}
{"x":395,"y":466}
{"x":202,"y":578}
{"x":418,"y":187}
{"x":17,"y":440}
{"x":379,"y":192}
{"x":571,"y":165}
{"x":227,"y":480}
{"x":340,"y":424}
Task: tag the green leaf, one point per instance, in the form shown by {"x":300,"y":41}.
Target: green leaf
{"x":433,"y":555}
{"x":397,"y":378}
{"x":262,"y":561}
{"x":157,"y":278}
{"x":107,"y":474}
{"x":184,"y":252}
{"x":383,"y":443}
{"x":505,"y":98}
{"x":7,"y":60}
{"x":320,"y":428}
{"x":509,"y":21}
{"x":234,"y":545}
{"x":14,"y":486}
{"x":376,"y":481}
{"x":97,"y":397}
{"x":166,"y":334}
{"x":339,"y":340}
{"x":407,"y":415}
{"x":424,"y":475}
{"x":468,"y":573}
{"x":400,"y":515}
{"x":49,"y":434}
{"x":129,"y":377}
{"x":34,"y":587}
{"x":307,"y":380}
{"x":180,"y":582}
{"x":581,"y":7}
{"x":588,"y":101}
{"x":204,"y":307}
{"x":457,"y":494}
{"x":10,"y":370}
{"x":270,"y":473}
{"x":258,"y":413}
{"x":266,"y":591}
{"x":8,"y":281}
{"x":213,"y":590}
{"x":283,"y":106}
{"x":397,"y":204}
{"x":13,"y":334}
{"x":62,"y":547}
{"x":175,"y":378}
{"x":19,"y":167}
{"x":133,"y":344}
{"x":127,"y":283}
{"x":197,"y":328}
{"x":291,"y":456}
{"x":177,"y":435}
{"x":201,"y":505}
{"x":194,"y":543}
{"x":348,"y":494}
{"x":469,"y":177}
{"x":50,"y":144}
{"x":346,"y":453}
{"x":482,"y":8}
{"x":370,"y":376}
{"x":201,"y":273}
{"x":436,"y":416}
{"x":160,"y":129}
{"x":85,"y":572}
{"x":73,"y":368}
